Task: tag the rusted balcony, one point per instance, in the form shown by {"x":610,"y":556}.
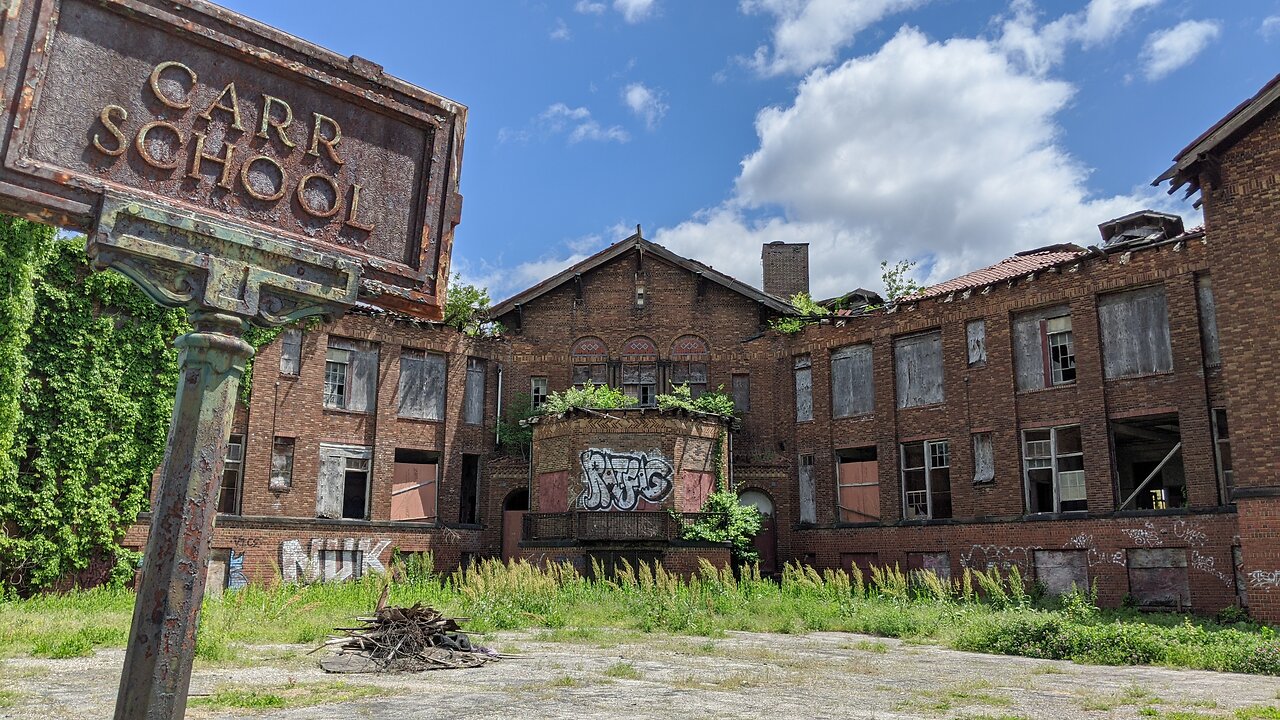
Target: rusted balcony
{"x":660,"y":526}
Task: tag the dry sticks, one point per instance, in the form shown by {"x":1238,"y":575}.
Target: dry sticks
{"x":403,"y":639}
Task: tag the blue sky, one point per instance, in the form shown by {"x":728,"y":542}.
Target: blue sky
{"x":950,"y":132}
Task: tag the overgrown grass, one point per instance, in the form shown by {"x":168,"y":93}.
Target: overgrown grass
{"x":983,"y":612}
{"x":284,"y":696}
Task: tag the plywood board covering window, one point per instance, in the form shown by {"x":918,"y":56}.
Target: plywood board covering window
{"x":808,"y":502}
{"x":804,"y":388}
{"x":975,"y":332}
{"x":473,"y":394}
{"x":290,"y":351}
{"x":852,"y":384}
{"x":351,"y":375}
{"x":1135,"y":333}
{"x":421,"y":393}
{"x":414,"y":488}
{"x":858,"y":485}
{"x":917,"y":364}
{"x":1044,"y":348}
{"x":342,"y":487}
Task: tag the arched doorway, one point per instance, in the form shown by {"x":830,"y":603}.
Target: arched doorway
{"x":767,"y":541}
{"x":513,"y":509}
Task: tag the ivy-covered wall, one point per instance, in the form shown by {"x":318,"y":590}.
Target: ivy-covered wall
{"x":94,"y":410}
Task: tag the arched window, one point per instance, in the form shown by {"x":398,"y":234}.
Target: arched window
{"x":590,"y":362}
{"x":689,"y":357}
{"x":640,"y":370}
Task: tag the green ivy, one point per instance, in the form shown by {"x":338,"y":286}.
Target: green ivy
{"x":22,"y":245}
{"x":95,"y":409}
{"x":809,"y":310}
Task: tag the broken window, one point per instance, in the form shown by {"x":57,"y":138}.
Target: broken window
{"x":858,"y":485}
{"x":926,"y":480}
{"x":1158,"y":577}
{"x":640,"y":371}
{"x":1208,"y":322}
{"x":804,"y":388}
{"x":232,"y":476}
{"x":975,"y":332}
{"x":852,"y":388}
{"x":422,"y":385}
{"x":590,"y":360}
{"x":984,"y":459}
{"x":290,"y":351}
{"x":1149,"y":472}
{"x":918,"y":365}
{"x":537,"y":392}
{"x":1135,"y":333}
{"x":742,"y":392}
{"x":281,"y":464}
{"x":1222,"y":454}
{"x":689,"y":356}
{"x":342,"y":488}
{"x":1054,"y":465}
{"x":473,"y":393}
{"x":1062,"y":571}
{"x":808,"y":502}
{"x":1044,"y":353}
{"x":469,"y":496}
{"x":414,"y":486}
{"x":350,"y":375}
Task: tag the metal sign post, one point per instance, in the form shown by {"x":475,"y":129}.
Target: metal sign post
{"x":237,"y":172}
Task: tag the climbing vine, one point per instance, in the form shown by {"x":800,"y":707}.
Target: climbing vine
{"x":95,"y":408}
{"x":21,"y":246}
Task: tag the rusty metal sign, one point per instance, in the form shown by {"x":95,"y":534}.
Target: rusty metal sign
{"x":210,"y":111}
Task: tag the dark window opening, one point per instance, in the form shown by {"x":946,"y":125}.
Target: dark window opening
{"x":1222,"y":455}
{"x":232,"y":477}
{"x":1149,"y":471}
{"x":926,"y":480}
{"x":1053,"y":460}
{"x":468,"y":504}
{"x":355,"y":494}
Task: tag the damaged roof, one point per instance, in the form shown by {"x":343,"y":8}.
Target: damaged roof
{"x":1017,"y":266}
{"x":637,"y":243}
{"x":1188,"y":163}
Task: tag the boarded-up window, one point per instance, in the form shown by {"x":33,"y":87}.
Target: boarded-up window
{"x":1044,"y":348}
{"x":742,"y":392}
{"x":697,"y":487}
{"x":689,"y":357}
{"x":1208,"y":322}
{"x":858,"y":485}
{"x":852,"y":389}
{"x":1135,"y":333}
{"x":975,"y":332}
{"x":590,"y":359}
{"x":422,"y":385}
{"x":918,"y":365}
{"x":217,"y":571}
{"x":804,"y":388}
{"x":808,"y":503}
{"x":281,"y":464}
{"x":342,"y":486}
{"x":1061,"y":571}
{"x":351,"y":375}
{"x":1158,"y":577}
{"x":862,"y":562}
{"x":938,"y":563}
{"x":414,"y":486}
{"x":473,"y":395}
{"x":290,"y":351}
{"x":984,"y":459}
{"x":552,"y":492}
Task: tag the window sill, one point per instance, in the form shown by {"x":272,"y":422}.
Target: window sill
{"x":1143,"y":376}
{"x":927,"y":521}
{"x":1068,"y":515}
{"x":1051,"y":388}
{"x":343,"y":411}
{"x":930,"y":406}
{"x":427,"y":421}
{"x":1144,"y":512}
{"x":290,"y":378}
{"x":856,"y":525}
{"x":863,"y":417}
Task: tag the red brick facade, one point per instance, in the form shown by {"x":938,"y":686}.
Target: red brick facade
{"x":1190,"y":551}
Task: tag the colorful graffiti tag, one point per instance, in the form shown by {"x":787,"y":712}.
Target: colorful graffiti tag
{"x":620,"y":480}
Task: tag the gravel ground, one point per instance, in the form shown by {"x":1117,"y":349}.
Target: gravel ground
{"x":742,"y":675}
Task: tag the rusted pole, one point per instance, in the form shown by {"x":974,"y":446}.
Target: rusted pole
{"x":162,"y":639}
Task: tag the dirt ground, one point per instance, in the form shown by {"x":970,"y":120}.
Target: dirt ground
{"x":742,"y":675}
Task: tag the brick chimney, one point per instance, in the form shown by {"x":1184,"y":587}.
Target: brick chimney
{"x":786,"y":268}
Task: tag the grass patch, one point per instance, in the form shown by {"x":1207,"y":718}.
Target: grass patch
{"x":285,"y":696}
{"x":982,"y":612}
{"x":623,"y":671}
{"x":564,"y":681}
{"x":9,"y":698}
{"x":959,"y":695}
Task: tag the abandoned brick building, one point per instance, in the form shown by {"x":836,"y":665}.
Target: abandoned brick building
{"x":1102,"y":412}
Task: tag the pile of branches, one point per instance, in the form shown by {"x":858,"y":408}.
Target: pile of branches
{"x":404,"y":639}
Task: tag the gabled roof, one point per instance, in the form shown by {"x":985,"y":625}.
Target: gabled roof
{"x":1186,"y":164}
{"x":637,"y":243}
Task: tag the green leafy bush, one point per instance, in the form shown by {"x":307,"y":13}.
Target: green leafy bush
{"x":588,"y":397}
{"x":716,"y":402}
{"x":727,"y":520}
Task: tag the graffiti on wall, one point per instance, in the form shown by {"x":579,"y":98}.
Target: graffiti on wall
{"x":1265,"y":579}
{"x":986,"y":557}
{"x":332,"y":559}
{"x":236,"y":578}
{"x":620,"y":480}
{"x":1146,"y":536}
{"x":1096,"y":556}
{"x":1208,"y":564}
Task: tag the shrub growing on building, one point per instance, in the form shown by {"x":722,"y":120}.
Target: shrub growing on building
{"x":587,"y":397}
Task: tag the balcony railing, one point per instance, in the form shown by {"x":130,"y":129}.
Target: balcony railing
{"x":660,"y":526}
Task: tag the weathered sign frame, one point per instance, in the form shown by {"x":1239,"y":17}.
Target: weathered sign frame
{"x":48,"y":191}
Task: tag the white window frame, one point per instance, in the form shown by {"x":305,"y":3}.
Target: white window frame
{"x":1078,"y":478}
{"x":337,"y":377}
{"x":933,"y":450}
{"x":1057,"y":368}
{"x":234,"y":462}
{"x":537,"y":392}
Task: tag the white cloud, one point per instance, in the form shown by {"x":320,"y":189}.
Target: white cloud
{"x":1171,"y":49}
{"x":634,"y":11}
{"x":808,"y":33}
{"x":589,"y":8}
{"x":503,"y":282}
{"x":1270,"y":27}
{"x":561,"y":30}
{"x":646,"y":103}
{"x":559,"y":119}
{"x":1039,"y":49}
{"x":942,"y":152}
